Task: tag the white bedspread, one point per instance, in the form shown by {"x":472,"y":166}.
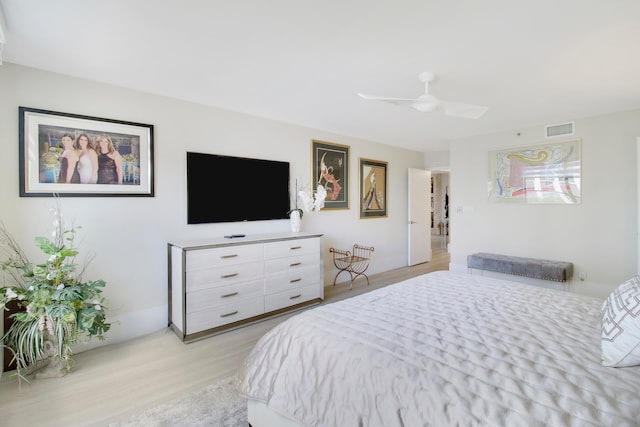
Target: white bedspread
{"x":444,"y":349}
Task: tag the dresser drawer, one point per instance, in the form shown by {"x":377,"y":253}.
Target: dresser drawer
{"x":211,"y":318}
{"x":292,"y":279}
{"x":292,"y":263}
{"x":223,"y":295}
{"x":226,"y":255}
{"x":223,"y":276}
{"x":291,"y":247}
{"x":291,"y":297}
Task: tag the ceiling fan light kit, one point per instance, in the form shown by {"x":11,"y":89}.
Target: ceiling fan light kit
{"x":425,"y":107}
{"x":427,"y":103}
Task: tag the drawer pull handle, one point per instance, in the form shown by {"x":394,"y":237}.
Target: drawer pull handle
{"x":229,"y":295}
{"x":295,"y":280}
{"x":229,"y":314}
{"x":293,"y":248}
{"x":226,"y":276}
{"x":294,"y":264}
{"x":229,"y":256}
{"x":295,"y":296}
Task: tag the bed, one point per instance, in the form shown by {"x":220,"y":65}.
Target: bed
{"x":445,"y":349}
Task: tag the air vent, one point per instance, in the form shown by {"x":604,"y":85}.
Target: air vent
{"x":560,"y":129}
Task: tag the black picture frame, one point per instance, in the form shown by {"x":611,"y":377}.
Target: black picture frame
{"x":127,"y":168}
{"x":330,"y":168}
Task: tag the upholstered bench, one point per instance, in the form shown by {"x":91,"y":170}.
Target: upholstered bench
{"x":558,"y":271}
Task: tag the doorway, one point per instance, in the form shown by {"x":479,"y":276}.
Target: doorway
{"x":429,"y":227}
{"x":440,"y":205}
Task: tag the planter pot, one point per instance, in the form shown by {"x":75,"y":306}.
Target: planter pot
{"x":54,"y":367}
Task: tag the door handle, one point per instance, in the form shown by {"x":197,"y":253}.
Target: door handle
{"x":412,"y":222}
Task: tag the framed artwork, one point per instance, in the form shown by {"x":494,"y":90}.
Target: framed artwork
{"x":373,"y":188}
{"x":73,"y":155}
{"x":330,"y":168}
{"x":545,"y":173}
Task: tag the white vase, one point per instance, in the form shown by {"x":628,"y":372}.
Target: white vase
{"x":295,"y":220}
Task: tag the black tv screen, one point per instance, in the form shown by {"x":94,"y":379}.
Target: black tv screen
{"x":229,"y":189}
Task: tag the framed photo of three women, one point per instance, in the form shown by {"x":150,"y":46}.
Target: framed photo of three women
{"x":74,"y":155}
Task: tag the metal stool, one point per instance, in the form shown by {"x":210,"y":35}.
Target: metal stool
{"x":355,"y":263}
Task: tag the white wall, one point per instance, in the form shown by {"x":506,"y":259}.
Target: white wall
{"x":599,"y":235}
{"x":437,"y":161}
{"x":129,"y":235}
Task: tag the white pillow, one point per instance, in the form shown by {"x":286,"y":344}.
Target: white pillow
{"x":620,"y":340}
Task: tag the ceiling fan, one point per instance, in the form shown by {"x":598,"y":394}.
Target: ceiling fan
{"x":427,"y":103}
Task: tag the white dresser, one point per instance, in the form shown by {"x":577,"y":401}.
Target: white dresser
{"x":219,"y":284}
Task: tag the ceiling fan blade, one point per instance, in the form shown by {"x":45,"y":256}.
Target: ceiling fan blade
{"x":386,"y":99}
{"x":468,"y":111}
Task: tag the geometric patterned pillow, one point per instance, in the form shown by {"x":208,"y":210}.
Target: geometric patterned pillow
{"x":620,"y":339}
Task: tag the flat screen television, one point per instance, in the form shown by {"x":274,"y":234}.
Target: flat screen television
{"x":230,"y":189}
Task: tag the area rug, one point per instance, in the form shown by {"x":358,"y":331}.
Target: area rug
{"x":218,"y":404}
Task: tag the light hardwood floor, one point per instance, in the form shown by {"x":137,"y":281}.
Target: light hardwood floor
{"x":111,"y":383}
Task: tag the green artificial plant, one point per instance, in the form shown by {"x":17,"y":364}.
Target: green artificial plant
{"x":55,"y":305}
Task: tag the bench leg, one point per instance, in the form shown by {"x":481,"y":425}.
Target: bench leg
{"x":339,"y":273}
{"x":360,"y":274}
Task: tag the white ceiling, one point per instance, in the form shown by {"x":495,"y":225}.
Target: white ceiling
{"x":532,"y":62}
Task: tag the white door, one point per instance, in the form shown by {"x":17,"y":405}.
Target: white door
{"x":419,"y":216}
